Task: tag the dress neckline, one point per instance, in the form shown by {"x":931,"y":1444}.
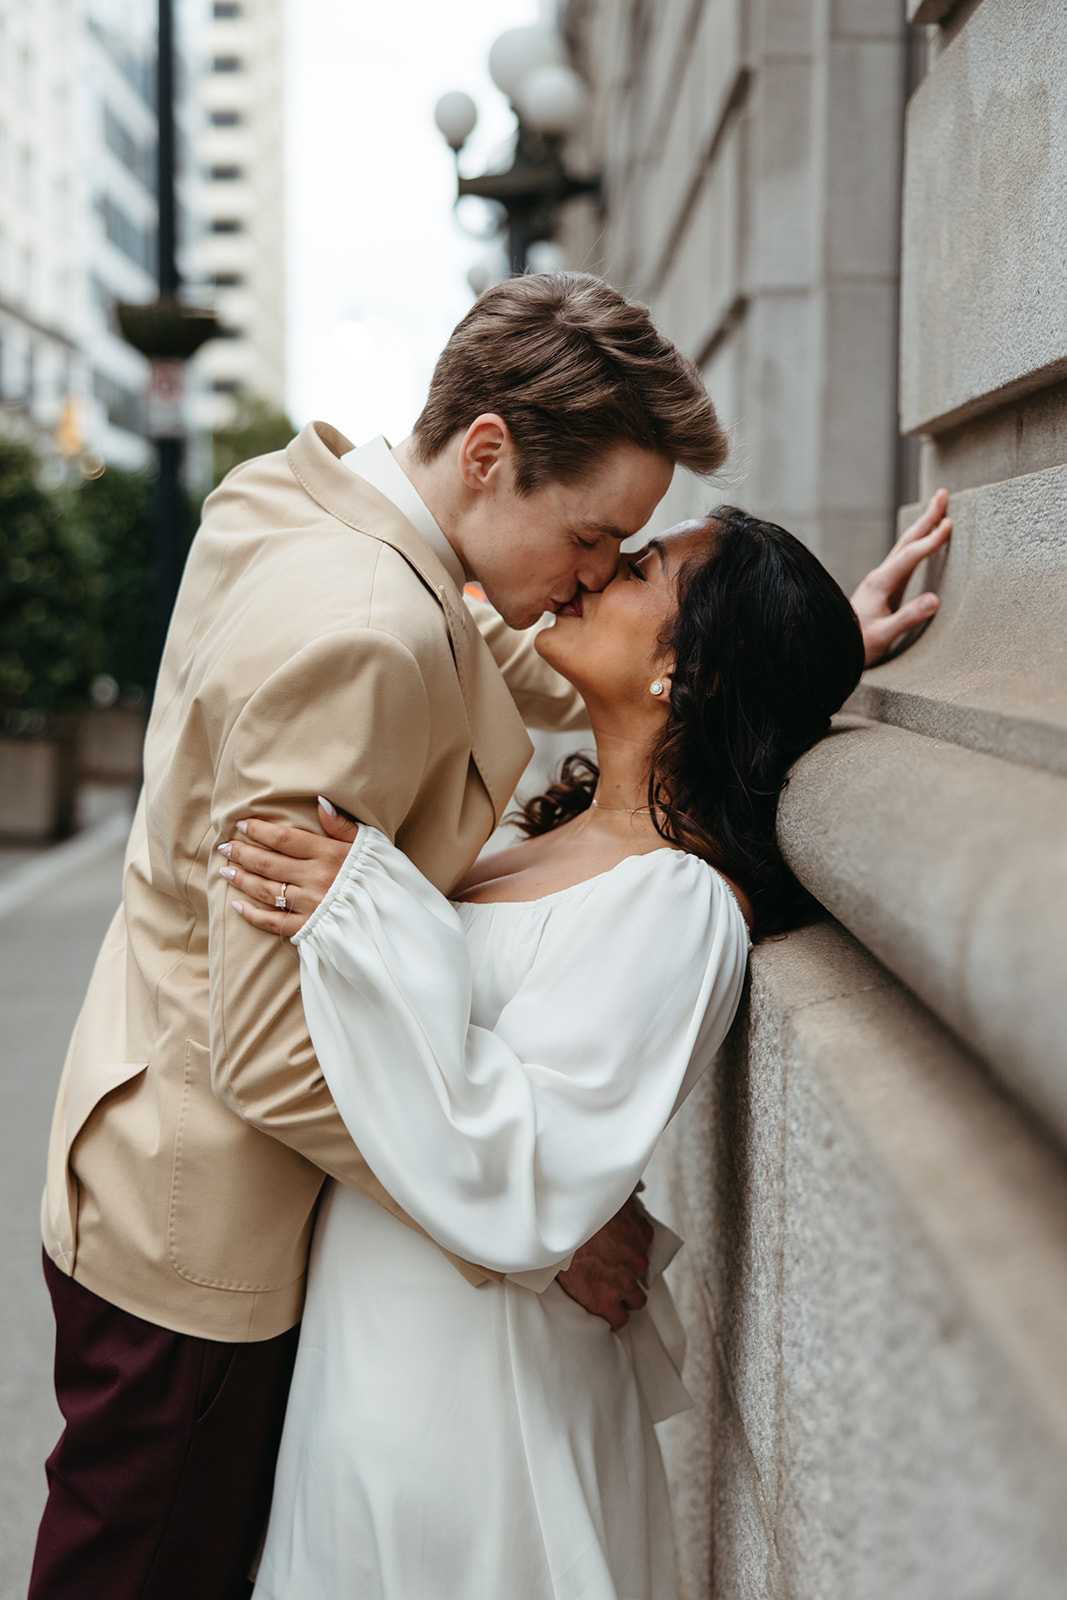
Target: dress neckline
{"x":557,"y":894}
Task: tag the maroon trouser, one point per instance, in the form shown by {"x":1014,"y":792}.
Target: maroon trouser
{"x":160,"y":1484}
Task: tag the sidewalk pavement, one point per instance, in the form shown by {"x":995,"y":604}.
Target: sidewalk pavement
{"x":54,"y":908}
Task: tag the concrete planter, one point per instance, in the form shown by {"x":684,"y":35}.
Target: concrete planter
{"x":38,"y":787}
{"x":111,"y":744}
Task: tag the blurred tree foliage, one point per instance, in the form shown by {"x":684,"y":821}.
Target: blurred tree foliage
{"x":77,"y":574}
{"x":51,"y":642}
{"x":255,"y":431}
{"x":115,"y":512}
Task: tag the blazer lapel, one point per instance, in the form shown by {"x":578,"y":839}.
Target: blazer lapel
{"x":500,"y":745}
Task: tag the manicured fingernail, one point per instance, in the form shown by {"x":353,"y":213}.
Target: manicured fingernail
{"x":331,"y":811}
{"x":227,"y":872}
{"x":242,"y":827}
{"x":224,"y":849}
{"x":238,"y":906}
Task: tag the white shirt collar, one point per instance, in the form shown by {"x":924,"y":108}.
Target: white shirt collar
{"x":375,"y":464}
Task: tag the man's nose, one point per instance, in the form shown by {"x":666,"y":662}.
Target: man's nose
{"x":598,"y":568}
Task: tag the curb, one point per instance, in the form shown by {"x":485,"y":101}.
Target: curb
{"x":25,"y":882}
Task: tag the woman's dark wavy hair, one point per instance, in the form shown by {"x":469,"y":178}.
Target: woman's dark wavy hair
{"x":766,"y":648}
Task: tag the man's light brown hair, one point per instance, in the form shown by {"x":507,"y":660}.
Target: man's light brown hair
{"x":574,"y":369}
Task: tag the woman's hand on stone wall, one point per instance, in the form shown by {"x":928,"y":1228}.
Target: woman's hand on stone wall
{"x":877,"y":601}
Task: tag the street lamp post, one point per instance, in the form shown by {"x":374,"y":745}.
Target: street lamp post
{"x":548,"y":97}
{"x":168,"y":332}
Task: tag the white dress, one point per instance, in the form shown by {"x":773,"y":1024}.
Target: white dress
{"x":506,"y":1070}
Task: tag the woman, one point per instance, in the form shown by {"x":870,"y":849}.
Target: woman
{"x":507,"y":1063}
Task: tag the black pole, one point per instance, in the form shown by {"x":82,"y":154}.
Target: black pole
{"x":168,"y":265}
{"x":519,"y":242}
{"x":169,"y":451}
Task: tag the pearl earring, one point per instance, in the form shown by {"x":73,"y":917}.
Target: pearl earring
{"x":656,"y":688}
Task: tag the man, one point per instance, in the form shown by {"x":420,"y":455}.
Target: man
{"x":320,"y":644}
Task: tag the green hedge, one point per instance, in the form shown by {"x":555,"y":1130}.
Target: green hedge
{"x":77,"y":584}
{"x":115,"y":512}
{"x":51,"y":586}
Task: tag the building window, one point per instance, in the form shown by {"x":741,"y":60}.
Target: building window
{"x":226,"y":64}
{"x":226,"y":174}
{"x":138,"y":158}
{"x":103,"y":300}
{"x":226,"y":225}
{"x":139,"y":71}
{"x":227,"y":280}
{"x":138,"y":243}
{"x":225,"y":386}
{"x":26,"y":183}
{"x":225,"y":10}
{"x":225,"y":119}
{"x":124,"y":407}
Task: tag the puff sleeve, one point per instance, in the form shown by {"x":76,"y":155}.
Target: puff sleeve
{"x":513,"y":1146}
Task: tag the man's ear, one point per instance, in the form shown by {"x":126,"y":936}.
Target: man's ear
{"x":484,"y":451}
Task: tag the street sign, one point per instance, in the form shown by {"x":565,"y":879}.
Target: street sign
{"x":166,"y":400}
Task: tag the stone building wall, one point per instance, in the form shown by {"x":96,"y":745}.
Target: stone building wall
{"x":873,"y":1183}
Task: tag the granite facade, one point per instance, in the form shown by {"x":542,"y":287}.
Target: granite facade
{"x":853,"y":220}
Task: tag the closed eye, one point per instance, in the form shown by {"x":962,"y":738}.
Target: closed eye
{"x":635,"y":568}
{"x":587,"y":544}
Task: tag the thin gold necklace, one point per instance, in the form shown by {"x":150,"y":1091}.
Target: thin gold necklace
{"x":630,"y":811}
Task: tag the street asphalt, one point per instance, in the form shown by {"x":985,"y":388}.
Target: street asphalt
{"x":47,"y":949}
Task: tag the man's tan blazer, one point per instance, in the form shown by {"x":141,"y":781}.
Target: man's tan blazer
{"x":318,"y":646}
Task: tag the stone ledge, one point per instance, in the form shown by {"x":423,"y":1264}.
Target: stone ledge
{"x":990,"y":672}
{"x":968,"y":908}
{"x":987,"y":1190}
{"x":1024,"y":740}
{"x":920,"y":11}
{"x":878,"y":1238}
{"x":1009,"y":442}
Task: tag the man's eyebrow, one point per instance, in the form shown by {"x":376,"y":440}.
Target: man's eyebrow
{"x":604,"y":528}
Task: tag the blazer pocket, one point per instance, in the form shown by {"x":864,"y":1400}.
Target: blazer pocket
{"x":241,"y":1203}
{"x":81,"y":1095}
{"x":87,"y":1091}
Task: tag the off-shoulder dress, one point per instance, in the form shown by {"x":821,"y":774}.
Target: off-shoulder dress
{"x":506,"y":1070}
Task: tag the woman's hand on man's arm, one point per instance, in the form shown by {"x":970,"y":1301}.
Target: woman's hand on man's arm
{"x":877,"y":601}
{"x":271,"y":862}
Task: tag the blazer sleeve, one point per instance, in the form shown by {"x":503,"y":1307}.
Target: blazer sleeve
{"x":545,"y":699}
{"x":347,"y":716}
{"x":512,"y":1146}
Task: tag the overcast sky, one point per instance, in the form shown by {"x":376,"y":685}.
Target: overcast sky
{"x":377,"y":264}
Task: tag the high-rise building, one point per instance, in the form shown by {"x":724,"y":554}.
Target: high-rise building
{"x":79,"y":214}
{"x":37,"y":215}
{"x":239,"y":194}
{"x":115,"y":259}
{"x":77,"y":219}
